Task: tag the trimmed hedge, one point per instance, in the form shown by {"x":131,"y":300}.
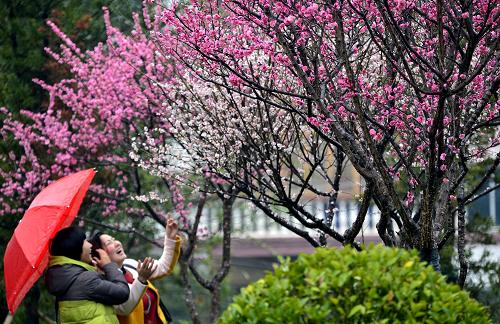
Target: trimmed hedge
{"x":380,"y":284}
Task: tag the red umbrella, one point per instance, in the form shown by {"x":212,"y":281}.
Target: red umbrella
{"x":26,"y":256}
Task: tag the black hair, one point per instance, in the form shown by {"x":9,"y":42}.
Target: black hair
{"x":96,"y":240}
{"x":68,"y":242}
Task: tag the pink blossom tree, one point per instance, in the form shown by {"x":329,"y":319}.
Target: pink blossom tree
{"x":408,"y":90}
{"x":274,"y":157}
{"x":257,"y":93}
{"x":92,"y":129}
{"x":113,"y":97}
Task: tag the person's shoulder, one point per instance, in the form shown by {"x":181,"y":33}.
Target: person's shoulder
{"x":90,"y":274}
{"x":130,"y":263}
{"x":87,"y":280}
{"x":65,"y":269}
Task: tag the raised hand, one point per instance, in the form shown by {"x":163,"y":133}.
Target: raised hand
{"x":102,"y":260}
{"x":171,"y":228}
{"x":145,"y":269}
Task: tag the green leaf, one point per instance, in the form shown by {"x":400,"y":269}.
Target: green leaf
{"x":357,"y":309}
{"x":336,"y":284}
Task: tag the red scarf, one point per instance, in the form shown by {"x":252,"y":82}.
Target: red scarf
{"x":148,"y":300}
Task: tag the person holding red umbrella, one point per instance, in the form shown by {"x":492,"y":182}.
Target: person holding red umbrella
{"x":82,"y":294}
{"x":27,"y":253}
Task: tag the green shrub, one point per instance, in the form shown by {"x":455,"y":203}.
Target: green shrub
{"x":380,"y":284}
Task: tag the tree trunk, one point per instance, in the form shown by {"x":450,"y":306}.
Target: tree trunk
{"x":216,"y":308}
{"x":188,"y":292}
{"x":461,"y":241}
{"x":431,"y":256}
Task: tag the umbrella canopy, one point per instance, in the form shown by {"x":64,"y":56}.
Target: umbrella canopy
{"x":26,"y":256}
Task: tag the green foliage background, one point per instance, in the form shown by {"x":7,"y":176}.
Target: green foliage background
{"x":377,"y":285}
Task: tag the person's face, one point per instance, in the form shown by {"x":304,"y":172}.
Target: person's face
{"x":114,"y":249}
{"x":85,"y":257}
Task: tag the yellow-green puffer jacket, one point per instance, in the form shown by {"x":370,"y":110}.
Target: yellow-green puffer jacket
{"x":86,"y":311}
{"x":84,"y":295}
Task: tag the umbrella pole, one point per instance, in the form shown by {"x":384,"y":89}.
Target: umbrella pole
{"x":8,"y":319}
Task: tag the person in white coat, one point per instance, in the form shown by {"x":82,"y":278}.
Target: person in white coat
{"x":143,"y":305}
